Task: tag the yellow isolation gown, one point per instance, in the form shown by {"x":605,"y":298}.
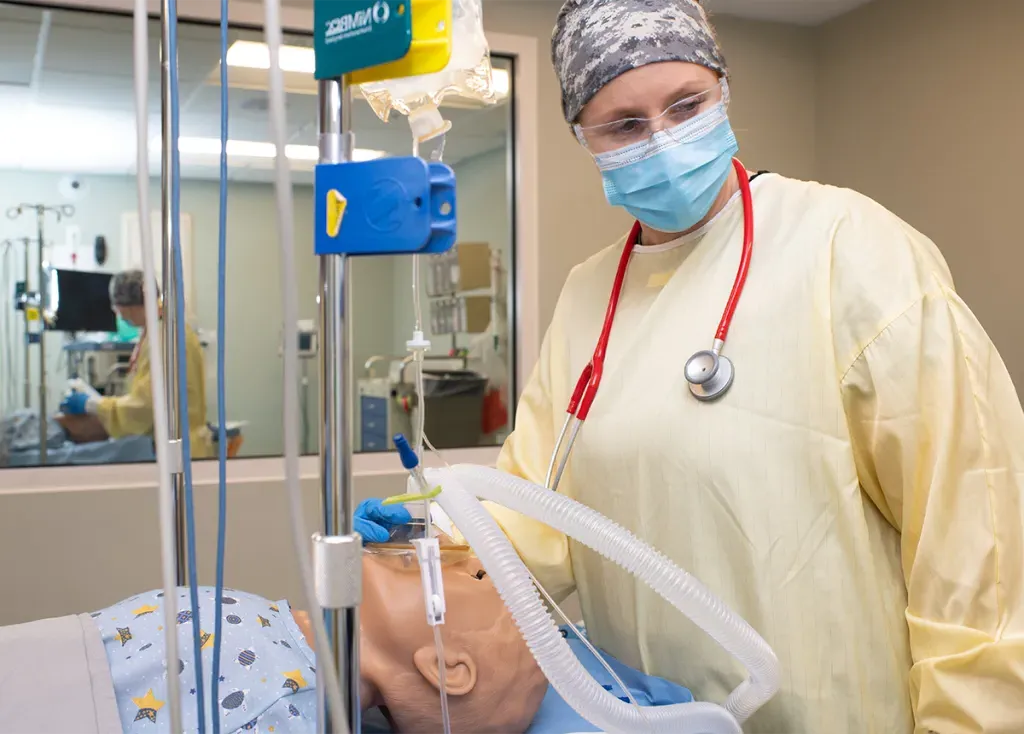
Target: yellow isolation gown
{"x":856,"y":495}
{"x":132,"y":414}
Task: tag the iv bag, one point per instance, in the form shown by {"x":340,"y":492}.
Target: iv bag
{"x":468,"y":73}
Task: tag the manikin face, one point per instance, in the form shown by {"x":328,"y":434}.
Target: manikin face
{"x":493,"y":683}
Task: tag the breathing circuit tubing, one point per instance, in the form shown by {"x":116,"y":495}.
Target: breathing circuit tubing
{"x":182,"y":366}
{"x":168,"y":551}
{"x":461,"y":488}
{"x":222,"y":441}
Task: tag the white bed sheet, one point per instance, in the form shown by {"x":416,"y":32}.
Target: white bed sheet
{"x":54,"y":679}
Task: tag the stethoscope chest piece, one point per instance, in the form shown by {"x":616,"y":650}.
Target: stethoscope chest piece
{"x":709,"y":375}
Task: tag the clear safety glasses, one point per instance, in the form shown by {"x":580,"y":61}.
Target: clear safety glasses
{"x":612,"y":136}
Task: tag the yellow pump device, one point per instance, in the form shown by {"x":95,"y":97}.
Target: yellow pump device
{"x":431,"y":48}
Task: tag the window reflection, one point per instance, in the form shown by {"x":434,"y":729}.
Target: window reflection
{"x":85,"y":77}
{"x":465,"y":297}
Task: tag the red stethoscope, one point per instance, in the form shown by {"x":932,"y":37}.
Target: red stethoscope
{"x":709,"y":373}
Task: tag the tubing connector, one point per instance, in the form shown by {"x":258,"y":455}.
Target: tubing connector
{"x":426,"y":123}
{"x":428,"y":553}
{"x":418,"y":343}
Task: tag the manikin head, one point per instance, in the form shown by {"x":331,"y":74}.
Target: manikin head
{"x":493,"y":683}
{"x":127,"y":297}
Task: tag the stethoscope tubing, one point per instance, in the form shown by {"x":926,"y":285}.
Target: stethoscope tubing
{"x":586,"y":387}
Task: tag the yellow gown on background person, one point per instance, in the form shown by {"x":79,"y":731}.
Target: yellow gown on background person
{"x":856,"y":496}
{"x":132,"y":414}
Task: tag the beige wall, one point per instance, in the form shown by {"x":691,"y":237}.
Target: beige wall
{"x":773,"y":112}
{"x":79,"y":550}
{"x":920,"y":104}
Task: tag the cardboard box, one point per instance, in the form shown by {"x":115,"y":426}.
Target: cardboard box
{"x":474,"y":266}
{"x":477,"y":314}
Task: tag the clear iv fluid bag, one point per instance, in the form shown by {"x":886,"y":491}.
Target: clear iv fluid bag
{"x":468,"y":73}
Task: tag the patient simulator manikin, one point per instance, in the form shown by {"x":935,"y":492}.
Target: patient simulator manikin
{"x":268,"y":668}
{"x":493,"y":683}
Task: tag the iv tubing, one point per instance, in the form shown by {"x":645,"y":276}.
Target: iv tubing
{"x":556,"y":660}
{"x":441,"y":680}
{"x":166,"y":495}
{"x":179,"y":304}
{"x":586,"y":643}
{"x":326,"y":669}
{"x":222,"y":448}
{"x":421,"y":412}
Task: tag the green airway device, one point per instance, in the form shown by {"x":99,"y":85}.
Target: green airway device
{"x":349,"y":35}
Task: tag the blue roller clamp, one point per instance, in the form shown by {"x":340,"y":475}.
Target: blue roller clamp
{"x":389,"y":206}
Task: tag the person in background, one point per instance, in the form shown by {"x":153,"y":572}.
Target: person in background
{"x":131,"y":414}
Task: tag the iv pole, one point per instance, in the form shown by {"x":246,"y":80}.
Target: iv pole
{"x":334,"y":98}
{"x":170,"y":296}
{"x":26,"y":242}
{"x":37,"y":300}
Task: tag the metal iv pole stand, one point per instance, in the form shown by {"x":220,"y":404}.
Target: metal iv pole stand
{"x":335,"y":337}
{"x":170,"y":296}
{"x":22,"y":301}
{"x":41,"y":274}
{"x":39,"y":300}
{"x":28,"y":330}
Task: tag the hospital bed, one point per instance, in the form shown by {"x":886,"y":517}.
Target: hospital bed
{"x":127,"y":450}
{"x":63,"y":660}
{"x":19,"y":444}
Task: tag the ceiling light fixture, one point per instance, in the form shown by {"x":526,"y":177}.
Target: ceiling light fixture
{"x":257,"y":149}
{"x":255,"y":55}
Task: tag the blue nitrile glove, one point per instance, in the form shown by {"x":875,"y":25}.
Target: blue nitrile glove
{"x":373,"y":518}
{"x":75,"y":404}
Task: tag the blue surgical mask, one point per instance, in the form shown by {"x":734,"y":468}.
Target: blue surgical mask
{"x":670,"y":181}
{"x":126,"y":331}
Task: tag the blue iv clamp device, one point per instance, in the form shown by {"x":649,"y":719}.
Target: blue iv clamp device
{"x":388,"y":206}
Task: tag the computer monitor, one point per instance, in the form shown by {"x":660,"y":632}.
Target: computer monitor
{"x":79,"y":301}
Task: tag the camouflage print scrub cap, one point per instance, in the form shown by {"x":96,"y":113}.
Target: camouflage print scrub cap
{"x":595,"y":41}
{"x":126,"y":289}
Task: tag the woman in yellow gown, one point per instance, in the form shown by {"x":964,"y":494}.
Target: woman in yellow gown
{"x":131,"y":414}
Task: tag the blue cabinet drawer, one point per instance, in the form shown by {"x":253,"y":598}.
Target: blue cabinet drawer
{"x":374,"y":443}
{"x":373,"y":407}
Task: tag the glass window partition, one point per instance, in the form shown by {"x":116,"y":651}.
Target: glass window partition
{"x":67,"y":118}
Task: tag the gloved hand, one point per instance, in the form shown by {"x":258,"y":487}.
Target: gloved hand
{"x":76,"y":384}
{"x":373,"y":519}
{"x":77,"y":403}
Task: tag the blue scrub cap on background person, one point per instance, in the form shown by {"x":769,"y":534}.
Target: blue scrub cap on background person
{"x":596,"y":41}
{"x":126,"y":289}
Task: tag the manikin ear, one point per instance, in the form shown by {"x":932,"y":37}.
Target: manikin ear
{"x":459,"y":674}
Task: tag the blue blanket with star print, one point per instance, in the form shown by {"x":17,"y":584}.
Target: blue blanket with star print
{"x":267,"y":673}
